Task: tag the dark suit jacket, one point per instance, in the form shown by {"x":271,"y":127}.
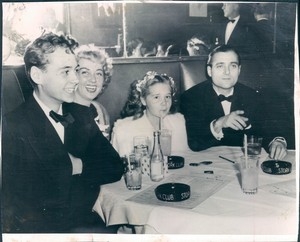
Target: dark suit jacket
{"x":264,"y":35}
{"x":39,"y":192}
{"x":241,"y":38}
{"x":84,"y":140}
{"x":200,"y":107}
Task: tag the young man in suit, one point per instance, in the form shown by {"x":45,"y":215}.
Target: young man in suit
{"x":236,"y":31}
{"x":221,"y":110}
{"x":45,"y":187}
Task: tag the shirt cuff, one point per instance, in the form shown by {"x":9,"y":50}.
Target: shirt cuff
{"x":280,"y":139}
{"x":219,"y":135}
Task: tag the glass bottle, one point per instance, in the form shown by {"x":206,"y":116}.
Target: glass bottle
{"x":157,"y":159}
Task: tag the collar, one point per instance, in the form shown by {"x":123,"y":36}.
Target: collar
{"x":43,"y":106}
{"x":218,"y":93}
{"x":236,"y":19}
{"x":261,"y":19}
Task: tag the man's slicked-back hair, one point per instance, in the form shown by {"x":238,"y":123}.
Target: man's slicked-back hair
{"x":223,"y":49}
{"x":36,"y":53}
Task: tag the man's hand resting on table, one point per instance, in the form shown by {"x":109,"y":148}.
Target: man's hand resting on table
{"x":233,"y":120}
{"x":277,"y":150}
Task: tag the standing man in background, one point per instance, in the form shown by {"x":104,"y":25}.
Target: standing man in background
{"x":236,"y":31}
{"x":263,"y":28}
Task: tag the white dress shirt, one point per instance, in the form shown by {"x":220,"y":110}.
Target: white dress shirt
{"x":230,"y":27}
{"x":226,"y":108}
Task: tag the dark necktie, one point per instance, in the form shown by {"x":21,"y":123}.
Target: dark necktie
{"x":65,"y":119}
{"x":231,"y":20}
{"x":222,"y":98}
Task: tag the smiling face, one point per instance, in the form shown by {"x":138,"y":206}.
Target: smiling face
{"x":58,"y":82}
{"x":224,"y":71}
{"x":158,"y":100}
{"x":91,"y":78}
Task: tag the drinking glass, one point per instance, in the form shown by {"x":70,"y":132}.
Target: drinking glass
{"x":249,"y":168}
{"x":166,"y":141}
{"x":133,"y":172}
{"x":140,"y":144}
{"x":253,"y":145}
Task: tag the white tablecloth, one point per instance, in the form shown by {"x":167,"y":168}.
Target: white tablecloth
{"x":272,"y":211}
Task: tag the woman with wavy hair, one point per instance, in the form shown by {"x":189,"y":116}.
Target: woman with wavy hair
{"x":150,"y":107}
{"x":94,"y":74}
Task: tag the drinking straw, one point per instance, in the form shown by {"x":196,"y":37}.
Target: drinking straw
{"x":245,"y":148}
{"x":159,"y":123}
{"x":128,"y":162}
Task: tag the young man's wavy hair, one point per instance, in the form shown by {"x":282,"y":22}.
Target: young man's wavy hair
{"x":36,"y":53}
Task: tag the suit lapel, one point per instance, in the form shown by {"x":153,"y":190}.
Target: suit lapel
{"x":237,"y":101}
{"x":237,"y":35}
{"x":234,"y":31}
{"x":44,"y":138}
{"x":42,"y":127}
{"x":214,"y":108}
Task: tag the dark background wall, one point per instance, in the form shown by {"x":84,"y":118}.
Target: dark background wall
{"x":162,"y":21}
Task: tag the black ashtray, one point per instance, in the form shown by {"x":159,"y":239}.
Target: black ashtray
{"x":276,"y":167}
{"x":173,"y":192}
{"x":175,"y":162}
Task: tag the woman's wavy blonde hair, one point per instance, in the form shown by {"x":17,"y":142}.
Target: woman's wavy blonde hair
{"x":98,"y":55}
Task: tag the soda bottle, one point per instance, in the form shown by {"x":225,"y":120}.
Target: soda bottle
{"x":157,"y":159}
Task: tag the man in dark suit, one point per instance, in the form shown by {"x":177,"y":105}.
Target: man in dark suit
{"x":236,"y":31}
{"x":46,"y":188}
{"x":221,"y":110}
{"x":263,"y":28}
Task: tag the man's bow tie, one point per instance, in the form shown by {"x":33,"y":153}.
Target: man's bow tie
{"x":222,"y":98}
{"x":65,"y":119}
{"x":231,"y":20}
